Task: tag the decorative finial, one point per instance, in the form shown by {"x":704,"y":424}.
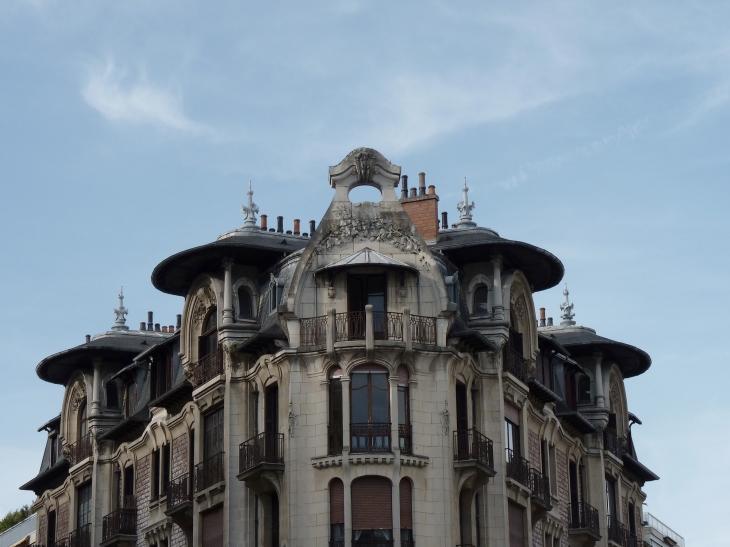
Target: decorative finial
{"x":249,"y":211}
{"x":120,"y":312}
{"x":567,"y":309}
{"x":465,"y":208}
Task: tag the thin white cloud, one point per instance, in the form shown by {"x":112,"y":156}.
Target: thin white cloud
{"x":717,"y":97}
{"x":537,"y":168}
{"x":140,"y":103}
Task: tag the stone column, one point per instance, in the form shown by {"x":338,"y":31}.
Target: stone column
{"x":600,"y":399}
{"x":394,"y":418}
{"x":345,"y":416}
{"x":227,"y":292}
{"x":95,"y":408}
{"x":498,"y":306}
{"x":396,"y":512}
{"x":348,"y":511}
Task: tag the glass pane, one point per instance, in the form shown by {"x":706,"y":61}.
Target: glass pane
{"x":380,"y":400}
{"x":359,"y":401}
{"x":402,"y":409}
{"x":480,"y":301}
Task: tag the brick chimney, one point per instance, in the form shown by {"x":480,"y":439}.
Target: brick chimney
{"x":422,"y":208}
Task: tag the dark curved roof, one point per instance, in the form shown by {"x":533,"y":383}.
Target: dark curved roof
{"x":542,"y":269}
{"x":175,"y":274}
{"x":121,"y":348}
{"x":581,"y":342}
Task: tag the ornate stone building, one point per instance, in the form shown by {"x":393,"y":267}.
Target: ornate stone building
{"x":380,"y":381}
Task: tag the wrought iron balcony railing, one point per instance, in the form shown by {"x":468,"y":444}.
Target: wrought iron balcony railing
{"x":540,"y":485}
{"x":404,"y":439}
{"x":313,"y":331}
{"x":122,"y":522}
{"x":370,"y":437}
{"x":180,"y":490}
{"x":209,"y":472}
{"x":208,"y":367}
{"x":81,"y":449}
{"x":371,"y":542}
{"x":583,"y":516}
{"x":515,"y":363}
{"x":81,"y":537}
{"x":265,"y":447}
{"x":388,"y":325}
{"x":518,"y":468}
{"x":423,"y":330}
{"x":350,"y":325}
{"x":617,"y":532}
{"x":469,"y":444}
{"x":613,"y":443}
{"x":334,"y":440}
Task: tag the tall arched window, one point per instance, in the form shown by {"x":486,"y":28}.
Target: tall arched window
{"x":245,"y":307}
{"x":208,"y":341}
{"x":481,"y":296}
{"x":372,"y":510}
{"x":406,"y":513}
{"x":83,"y":425}
{"x":334,"y":427}
{"x":337,"y":513}
{"x":404,"y":412}
{"x":370,"y":410}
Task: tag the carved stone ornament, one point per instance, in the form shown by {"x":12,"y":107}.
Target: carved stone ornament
{"x":364,"y":163}
{"x":292,"y":421}
{"x":445,"y":416}
{"x":614,"y":398}
{"x":520,"y":308}
{"x":78,"y":395}
{"x":204,"y":300}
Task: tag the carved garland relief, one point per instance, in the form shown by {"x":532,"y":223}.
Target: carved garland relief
{"x":204,"y":300}
{"x":78,"y":395}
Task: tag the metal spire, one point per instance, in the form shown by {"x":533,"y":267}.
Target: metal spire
{"x":249,"y":211}
{"x":465,"y":208}
{"x":120,"y":312}
{"x":567,"y":309}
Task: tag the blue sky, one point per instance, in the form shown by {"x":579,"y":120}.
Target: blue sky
{"x":129,"y":131}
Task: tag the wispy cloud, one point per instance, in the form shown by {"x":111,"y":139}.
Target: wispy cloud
{"x":537,"y":168}
{"x":107,"y":90}
{"x":717,"y":97}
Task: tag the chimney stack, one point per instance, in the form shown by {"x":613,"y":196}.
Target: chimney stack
{"x":164,"y":328}
{"x":404,"y":188}
{"x":296,"y":226}
{"x":157,"y":327}
{"x":88,"y":338}
{"x":312,"y":226}
{"x":171,"y":329}
{"x":444,"y":220}
{"x":150,"y":324}
{"x":421,"y":183}
{"x":414,"y":193}
{"x":542,"y":317}
{"x":142,"y":326}
{"x":178,"y":323}
{"x":550,"y":322}
{"x":280,"y":224}
{"x":263,"y":222}
{"x":432,"y":190}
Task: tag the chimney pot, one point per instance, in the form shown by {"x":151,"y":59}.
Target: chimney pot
{"x":272,"y":230}
{"x":178,"y":322}
{"x":150,"y":323}
{"x":404,"y":189}
{"x":542,"y":317}
{"x":444,"y":220}
{"x":414,"y":193}
{"x":164,"y":328}
{"x":288,"y":232}
{"x":171,"y":328}
{"x":421,"y":183}
{"x":142,"y":326}
{"x":280,"y":224}
{"x":312,"y":226}
{"x":157,"y":327}
{"x":296,"y":226}
{"x":432,"y":190}
{"x":263,"y":222}
{"x":88,"y":338}
{"x":550,"y":322}
{"x":305,"y":234}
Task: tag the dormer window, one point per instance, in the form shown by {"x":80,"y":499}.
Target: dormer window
{"x":481,"y":296}
{"x":245,"y":307}
{"x":276,"y":290}
{"x":112,"y":395}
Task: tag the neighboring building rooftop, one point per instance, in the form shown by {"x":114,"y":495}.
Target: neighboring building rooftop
{"x":21,"y":531}
{"x":656,"y":533}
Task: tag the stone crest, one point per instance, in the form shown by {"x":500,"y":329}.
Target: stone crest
{"x":78,"y":395}
{"x":204,"y":300}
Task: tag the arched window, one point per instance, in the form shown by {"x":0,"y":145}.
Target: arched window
{"x":404,"y":412}
{"x":83,"y":425}
{"x":334,"y":429}
{"x":112,"y":395}
{"x":584,"y":389}
{"x":208,"y":341}
{"x":337,"y":513}
{"x":372,"y":510}
{"x":370,"y":410}
{"x":481,"y":296}
{"x":406,"y":513}
{"x":245,"y":308}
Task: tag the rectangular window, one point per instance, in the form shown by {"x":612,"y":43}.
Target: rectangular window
{"x":516,"y":525}
{"x":611,"y":515}
{"x":128,"y":499}
{"x":213,"y":442}
{"x":553,"y":471}
{"x":632,"y":519}
{"x":54,"y":449}
{"x":83,"y":506}
{"x":512,"y":437}
{"x":366,"y":289}
{"x":166,"y":469}
{"x":155,"y":486}
{"x":51,"y":528}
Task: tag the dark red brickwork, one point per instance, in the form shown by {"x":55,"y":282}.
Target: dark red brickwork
{"x":561,"y":462}
{"x":43,"y":530}
{"x":180,"y":455}
{"x":533,"y":450}
{"x":537,"y":535}
{"x":62,"y":521}
{"x":424,"y":213}
{"x":142,"y":491}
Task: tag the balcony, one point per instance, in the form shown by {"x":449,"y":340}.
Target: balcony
{"x":370,"y":437}
{"x":515,"y":363}
{"x":313,"y":331}
{"x":209,"y":473}
{"x":423,"y":330}
{"x":80,"y":450}
{"x":334,"y":440}
{"x":404,"y":439}
{"x":583,"y":524}
{"x":518,"y":468}
{"x":351,"y":326}
{"x":261,"y":460}
{"x":620,"y":535}
{"x":180,"y":500}
{"x":539,"y":493}
{"x":371,"y":542}
{"x":208,"y":368}
{"x":80,"y":537}
{"x":470,"y":445}
{"x":613,"y":443}
{"x":119,"y":528}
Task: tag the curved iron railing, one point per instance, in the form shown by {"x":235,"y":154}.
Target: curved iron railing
{"x":334,"y":440}
{"x":209,"y":472}
{"x":388,"y":325}
{"x":370,"y":437}
{"x":313,"y":331}
{"x":514,"y":363}
{"x":265,"y":447}
{"x":423,"y":330}
{"x":180,"y":490}
{"x":583,"y":515}
{"x":469,"y":444}
{"x":613,"y":443}
{"x":208,"y":367}
{"x":350,"y":325}
{"x":81,"y":449}
{"x":518,"y":468}
{"x":119,"y":522}
{"x":404,"y":439}
{"x":80,"y":537}
{"x":540,"y":485}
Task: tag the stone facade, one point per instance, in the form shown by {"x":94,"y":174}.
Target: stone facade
{"x":382,"y":355}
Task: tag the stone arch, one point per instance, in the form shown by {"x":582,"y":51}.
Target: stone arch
{"x":522,"y":312}
{"x":249,"y":286}
{"x":76,"y":395}
{"x":617,"y":401}
{"x":202,"y":297}
{"x":479,"y":280}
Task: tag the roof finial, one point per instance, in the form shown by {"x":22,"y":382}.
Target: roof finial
{"x":249,"y":211}
{"x":465,"y":208}
{"x":567,"y":309}
{"x":120,"y":312}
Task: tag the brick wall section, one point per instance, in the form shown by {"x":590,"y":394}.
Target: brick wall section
{"x":179,"y":455}
{"x":625,"y":511}
{"x":561,"y":462}
{"x":424,"y":213}
{"x":42,"y":530}
{"x":537,"y":535}
{"x":533,"y":450}
{"x":639,"y":520}
{"x":142,"y":492}
{"x":62,"y":521}
{"x":178,"y":538}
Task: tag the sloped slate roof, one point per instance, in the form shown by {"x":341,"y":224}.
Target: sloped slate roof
{"x":366,"y":258}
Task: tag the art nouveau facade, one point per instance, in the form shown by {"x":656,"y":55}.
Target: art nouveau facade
{"x":380,"y":382}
